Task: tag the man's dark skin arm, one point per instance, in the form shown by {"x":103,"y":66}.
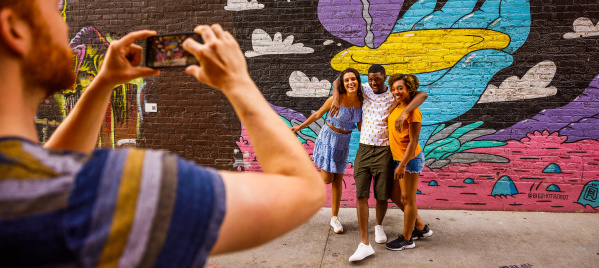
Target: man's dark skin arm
{"x":334,"y":111}
{"x":418,"y":99}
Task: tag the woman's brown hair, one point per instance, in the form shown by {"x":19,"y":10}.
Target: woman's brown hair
{"x":410,"y":80}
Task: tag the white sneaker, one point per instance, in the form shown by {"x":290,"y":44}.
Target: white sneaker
{"x":362,"y":252}
{"x":379,"y":234}
{"x":336,"y":225}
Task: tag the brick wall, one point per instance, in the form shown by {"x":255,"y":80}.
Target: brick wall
{"x":511,"y":122}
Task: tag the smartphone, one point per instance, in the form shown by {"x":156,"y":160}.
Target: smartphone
{"x":166,"y":51}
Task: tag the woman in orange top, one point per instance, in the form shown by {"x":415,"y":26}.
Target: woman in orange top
{"x":408,"y":158}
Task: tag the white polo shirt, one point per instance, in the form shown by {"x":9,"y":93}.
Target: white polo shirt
{"x":374,"y":112}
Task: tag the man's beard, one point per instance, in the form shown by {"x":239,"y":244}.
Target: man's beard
{"x":49,"y":66}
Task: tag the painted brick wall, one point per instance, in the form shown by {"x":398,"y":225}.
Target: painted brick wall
{"x":511,"y":122}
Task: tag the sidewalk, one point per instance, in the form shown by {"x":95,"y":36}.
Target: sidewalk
{"x":461,"y":239}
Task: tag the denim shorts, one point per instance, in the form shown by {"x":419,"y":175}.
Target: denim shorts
{"x":415,"y":165}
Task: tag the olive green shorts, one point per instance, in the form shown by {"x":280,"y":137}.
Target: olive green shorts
{"x":373,"y":163}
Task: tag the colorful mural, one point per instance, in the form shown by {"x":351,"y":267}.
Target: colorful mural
{"x":123,"y":116}
{"x":547,"y":162}
{"x":511,"y":122}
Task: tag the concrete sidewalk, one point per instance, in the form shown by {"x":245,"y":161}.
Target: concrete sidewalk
{"x":460,"y":239}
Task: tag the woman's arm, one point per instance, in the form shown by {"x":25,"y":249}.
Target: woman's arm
{"x":315,"y":116}
{"x":414,"y":135}
{"x":418,"y":99}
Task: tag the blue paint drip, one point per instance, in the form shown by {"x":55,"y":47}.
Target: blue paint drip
{"x":504,"y":186}
{"x":553,"y":188}
{"x":552,"y":168}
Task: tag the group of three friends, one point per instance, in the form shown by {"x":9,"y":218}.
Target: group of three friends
{"x":389,"y":154}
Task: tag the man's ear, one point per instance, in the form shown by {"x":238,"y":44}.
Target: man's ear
{"x":15,"y":32}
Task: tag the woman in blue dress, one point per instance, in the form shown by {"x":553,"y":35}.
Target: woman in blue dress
{"x":332,"y":145}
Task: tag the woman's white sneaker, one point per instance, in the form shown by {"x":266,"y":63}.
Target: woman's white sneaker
{"x":362,"y":252}
{"x":336,"y":225}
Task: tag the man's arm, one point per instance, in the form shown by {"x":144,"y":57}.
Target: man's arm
{"x":418,"y":99}
{"x":259,"y":206}
{"x":393,"y":106}
{"x":334,"y":111}
{"x":79,"y":131}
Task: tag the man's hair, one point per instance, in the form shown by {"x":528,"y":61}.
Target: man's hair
{"x":27,"y":9}
{"x":410,"y":80}
{"x":376,"y":68}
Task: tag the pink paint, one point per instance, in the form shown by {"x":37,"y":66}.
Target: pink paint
{"x":579,"y":163}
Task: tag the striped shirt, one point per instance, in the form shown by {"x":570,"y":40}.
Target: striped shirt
{"x":114,"y":208}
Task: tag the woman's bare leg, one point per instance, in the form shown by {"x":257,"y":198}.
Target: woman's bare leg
{"x":327,"y":177}
{"x":396,"y":198}
{"x":409,"y":186}
{"x":336,"y":189}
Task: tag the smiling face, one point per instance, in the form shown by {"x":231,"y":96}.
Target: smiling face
{"x":401,"y":92}
{"x":350,"y":82}
{"x":377,"y":82}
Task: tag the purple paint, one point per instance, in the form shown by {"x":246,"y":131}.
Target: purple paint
{"x":88,"y":36}
{"x":344,"y":19}
{"x":288,"y":113}
{"x":384,"y":16}
{"x":578,"y":120}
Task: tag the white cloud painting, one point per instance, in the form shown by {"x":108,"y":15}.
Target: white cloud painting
{"x":264,"y":45}
{"x":240,"y":5}
{"x":534,"y":84}
{"x":302,"y":86}
{"x":583,"y":27}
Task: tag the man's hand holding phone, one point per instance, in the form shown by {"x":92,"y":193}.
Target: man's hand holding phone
{"x":166,"y":50}
{"x":123,"y":58}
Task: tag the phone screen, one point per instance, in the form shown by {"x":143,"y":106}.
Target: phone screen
{"x":166,"y":51}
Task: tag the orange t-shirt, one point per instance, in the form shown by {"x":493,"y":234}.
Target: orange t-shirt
{"x":399,"y":141}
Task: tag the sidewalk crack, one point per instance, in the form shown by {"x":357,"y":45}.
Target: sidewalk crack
{"x":325,"y":247}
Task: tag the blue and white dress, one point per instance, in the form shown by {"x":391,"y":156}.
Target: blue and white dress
{"x":332,"y":148}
